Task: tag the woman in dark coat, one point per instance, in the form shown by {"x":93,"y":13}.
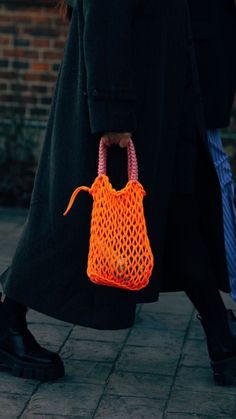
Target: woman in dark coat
{"x":128,"y":67}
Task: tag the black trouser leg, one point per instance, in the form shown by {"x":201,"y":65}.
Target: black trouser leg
{"x":192,"y":264}
{"x":15,"y":314}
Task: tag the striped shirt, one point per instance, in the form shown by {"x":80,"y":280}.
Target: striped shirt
{"x":225,"y":176}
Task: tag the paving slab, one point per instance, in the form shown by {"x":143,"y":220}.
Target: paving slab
{"x":201,"y":403}
{"x":171,"y":303}
{"x":161,"y":321}
{"x":7,"y":248}
{"x":36,"y":317}
{"x":87,"y":372}
{"x":65,"y":399}
{"x":4,"y":264}
{"x":139,"y":385}
{"x":187,"y":416}
{"x":48,"y":333}
{"x":195,"y":354}
{"x":42,"y":416}
{"x":12,"y":405}
{"x":195,"y":330}
{"x":15,"y":386}
{"x":199,"y":379}
{"x":155,"y":338}
{"x":90,"y":350}
{"x":117,"y":407}
{"x":148,"y":360}
{"x":99,"y":335}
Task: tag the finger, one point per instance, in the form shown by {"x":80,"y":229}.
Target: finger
{"x":106,"y":140}
{"x":124,"y":141}
{"x":114,"y":138}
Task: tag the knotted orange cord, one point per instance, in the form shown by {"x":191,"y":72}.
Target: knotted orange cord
{"x":120,"y":254}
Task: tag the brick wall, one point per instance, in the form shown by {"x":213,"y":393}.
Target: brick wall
{"x":31,"y":46}
{"x":32,"y":39}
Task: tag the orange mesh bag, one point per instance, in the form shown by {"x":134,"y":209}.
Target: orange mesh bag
{"x":120,"y":254}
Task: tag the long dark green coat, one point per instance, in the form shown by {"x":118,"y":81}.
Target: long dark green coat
{"x":124,"y":69}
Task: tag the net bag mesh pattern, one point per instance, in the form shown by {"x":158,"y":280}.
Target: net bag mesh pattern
{"x":120,"y":254}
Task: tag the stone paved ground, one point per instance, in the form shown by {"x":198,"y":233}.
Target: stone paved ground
{"x":157,"y":369}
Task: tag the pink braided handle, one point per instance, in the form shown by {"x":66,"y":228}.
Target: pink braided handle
{"x":132,"y":160}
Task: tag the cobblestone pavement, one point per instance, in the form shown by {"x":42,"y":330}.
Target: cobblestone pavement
{"x":157,"y":369}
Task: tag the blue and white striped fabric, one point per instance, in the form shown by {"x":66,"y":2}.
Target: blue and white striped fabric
{"x":224,"y":173}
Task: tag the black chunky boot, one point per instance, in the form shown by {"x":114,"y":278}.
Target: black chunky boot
{"x":22,"y":354}
{"x":222,"y":350}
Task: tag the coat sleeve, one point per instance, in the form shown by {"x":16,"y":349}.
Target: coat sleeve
{"x":109,"y":64}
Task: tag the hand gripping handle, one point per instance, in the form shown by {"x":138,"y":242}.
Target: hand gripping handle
{"x":132,"y":160}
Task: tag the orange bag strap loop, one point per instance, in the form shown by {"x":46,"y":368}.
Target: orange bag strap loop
{"x":132,"y":160}
{"x":73,"y":196}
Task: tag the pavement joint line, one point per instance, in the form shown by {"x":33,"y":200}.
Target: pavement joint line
{"x":67,"y":338}
{"x":200,"y":415}
{"x":111,"y":371}
{"x":37,"y":386}
{"x":185,"y":338}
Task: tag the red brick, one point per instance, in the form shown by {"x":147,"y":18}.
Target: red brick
{"x":39,"y":89}
{"x":40,"y":67}
{"x":40,"y":43}
{"x":46,"y":100}
{"x":22,"y":19}
{"x":20,"y":53}
{"x":5,"y":40}
{"x":51,"y":55}
{"x":4,"y":18}
{"x":28,"y":99}
{"x":42,"y":31}
{"x":7,"y":98}
{"x":15,"y":98}
{"x":39,"y":77}
{"x":16,"y":87}
{"x":10,"y":109}
{"x":41,"y":19}
{"x":9,"y":29}
{"x":8,"y":75}
{"x":39,"y":112}
{"x":20,"y":42}
{"x":59,"y":44}
{"x":20,"y":65}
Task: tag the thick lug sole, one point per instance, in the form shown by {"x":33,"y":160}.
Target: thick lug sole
{"x":39,"y":372}
{"x":224,"y":372}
